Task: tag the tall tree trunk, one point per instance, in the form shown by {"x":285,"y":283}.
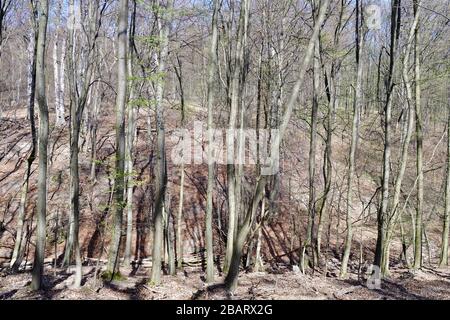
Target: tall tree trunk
{"x":443,"y":259}
{"x":395,"y":211}
{"x":212,"y":67}
{"x":160,"y":166}
{"x":235,"y":94}
{"x":58,"y":62}
{"x":332,"y":95}
{"x":19,"y":244}
{"x":231,"y":279}
{"x":179,"y":236}
{"x":79,"y":85}
{"x":38,"y":266}
{"x":72,"y":246}
{"x":131,"y":130}
{"x":180,"y":221}
{"x":380,"y":250}
{"x":122,"y":34}
{"x":310,"y":240}
{"x":359,"y":39}
{"x":419,"y":149}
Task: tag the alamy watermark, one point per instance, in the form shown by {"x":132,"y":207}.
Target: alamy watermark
{"x":374,"y":279}
{"x":373,"y":17}
{"x":227,"y":146}
{"x":74,"y":18}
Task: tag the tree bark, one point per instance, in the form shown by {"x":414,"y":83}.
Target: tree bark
{"x":16,"y":258}
{"x":38,"y":266}
{"x":359,"y":39}
{"x":131,"y":131}
{"x":443,"y":259}
{"x":212,"y":67}
{"x":58,"y":62}
{"x":394,"y":212}
{"x":160,"y":166}
{"x":231,"y":279}
{"x":235,"y":94}
{"x":380,"y":250}
{"x":121,"y":99}
{"x":419,"y":147}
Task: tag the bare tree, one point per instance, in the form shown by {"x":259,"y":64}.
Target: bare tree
{"x":38,"y":267}
{"x":359,"y":40}
{"x":131,"y":131}
{"x":234,"y":100}
{"x":419,"y":143}
{"x":121,"y":100}
{"x":443,"y":261}
{"x":212,"y":67}
{"x":5,"y":8}
{"x":381,"y":250}
{"x":161,"y":167}
{"x":59,"y":69}
{"x":232,"y":275}
{"x":19,"y":244}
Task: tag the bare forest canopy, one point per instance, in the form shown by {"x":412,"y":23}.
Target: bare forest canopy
{"x":141,"y":140}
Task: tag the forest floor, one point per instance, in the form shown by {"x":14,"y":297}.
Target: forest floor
{"x":281,"y":283}
{"x":401,"y":284}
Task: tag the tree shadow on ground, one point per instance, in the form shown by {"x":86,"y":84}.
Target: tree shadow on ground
{"x":389,"y":290}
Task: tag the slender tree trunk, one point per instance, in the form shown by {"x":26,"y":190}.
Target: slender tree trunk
{"x":419,"y":148}
{"x":75,"y":195}
{"x":113,"y":263}
{"x":168,"y":238}
{"x":331,"y":85}
{"x":160,"y":166}
{"x":58,"y":62}
{"x":38,"y":267}
{"x":404,"y":154}
{"x":179,"y":236}
{"x":180,"y":221}
{"x":359,"y":38}
{"x":131,"y":130}
{"x":73,"y":244}
{"x":212,"y":67}
{"x":310,"y":241}
{"x":231,"y":279}
{"x":79,"y":83}
{"x":19,"y":245}
{"x":258,"y":260}
{"x":380,"y":250}
{"x":235,"y":94}
{"x":443,"y":259}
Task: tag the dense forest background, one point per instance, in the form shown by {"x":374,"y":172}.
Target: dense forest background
{"x":333,"y":119}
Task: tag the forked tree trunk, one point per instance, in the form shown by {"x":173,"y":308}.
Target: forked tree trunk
{"x":231,"y":279}
{"x":235,"y":94}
